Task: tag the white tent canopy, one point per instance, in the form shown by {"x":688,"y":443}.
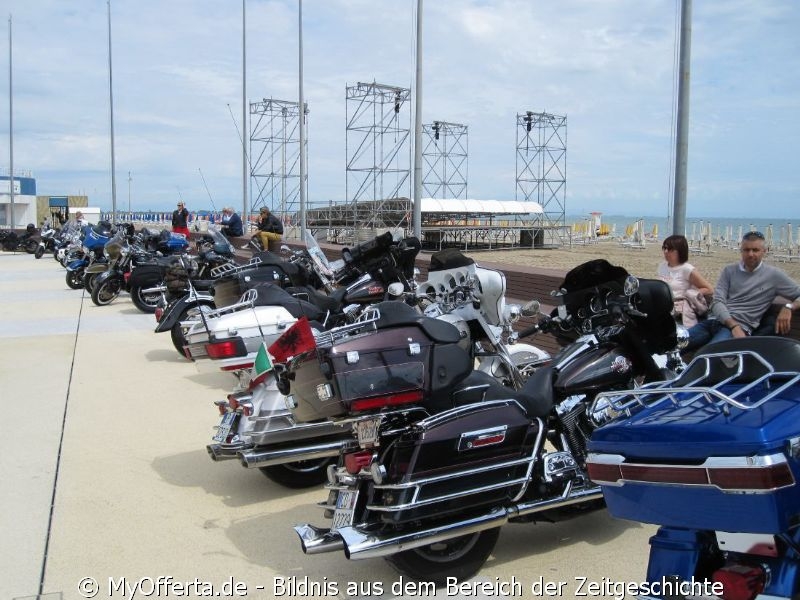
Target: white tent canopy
{"x":474,"y":207}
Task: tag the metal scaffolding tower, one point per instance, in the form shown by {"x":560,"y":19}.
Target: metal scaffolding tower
{"x":445,"y":156}
{"x":275,"y":157}
{"x":378,"y":150}
{"x":542,"y":171}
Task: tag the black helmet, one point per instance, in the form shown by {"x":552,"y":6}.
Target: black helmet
{"x":30,"y":228}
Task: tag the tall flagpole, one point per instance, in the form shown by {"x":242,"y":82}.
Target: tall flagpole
{"x":682,"y":135}
{"x":245,"y":128}
{"x":417,"y":214}
{"x":111,"y":105}
{"x":10,"y":126}
{"x":302,"y":124}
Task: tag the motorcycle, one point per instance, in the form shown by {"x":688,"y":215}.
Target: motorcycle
{"x":94,"y":239}
{"x":47,"y":242}
{"x":712,"y":459}
{"x":124,"y":255}
{"x":442,"y":455}
{"x":26,"y":242}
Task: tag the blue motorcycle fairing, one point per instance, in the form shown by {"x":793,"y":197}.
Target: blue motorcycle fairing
{"x":80,"y":263}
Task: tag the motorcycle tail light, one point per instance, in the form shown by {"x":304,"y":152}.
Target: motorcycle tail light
{"x":740,"y":582}
{"x":226,"y":349}
{"x":356,"y":461}
{"x":233,"y":402}
{"x":222,"y":407}
{"x":389,"y":400}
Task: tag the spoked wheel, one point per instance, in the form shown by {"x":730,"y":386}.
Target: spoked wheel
{"x":147,"y":303}
{"x":176,"y":333}
{"x":300,"y":474}
{"x":75,"y":279}
{"x":106,"y":292}
{"x":459,"y":557}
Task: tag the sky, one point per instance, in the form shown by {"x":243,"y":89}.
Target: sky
{"x":607,"y":65}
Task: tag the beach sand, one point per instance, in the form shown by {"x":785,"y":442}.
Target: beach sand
{"x":639,"y":262}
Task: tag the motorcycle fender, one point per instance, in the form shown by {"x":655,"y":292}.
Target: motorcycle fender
{"x":174,"y":311}
{"x":103,"y":277}
{"x":602,"y":367}
{"x":77,"y":264}
{"x":97,"y":268}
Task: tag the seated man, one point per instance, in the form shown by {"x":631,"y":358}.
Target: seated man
{"x":270,"y":227}
{"x":744,"y":293}
{"x":231,"y":223}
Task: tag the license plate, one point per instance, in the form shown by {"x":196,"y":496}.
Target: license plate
{"x":225,"y":426}
{"x":367,"y":431}
{"x":345,"y":509}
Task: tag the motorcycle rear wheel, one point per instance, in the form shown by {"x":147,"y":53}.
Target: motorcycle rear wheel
{"x":106,"y":292}
{"x":147,"y":303}
{"x":298,"y":475}
{"x":459,"y":557}
{"x":75,"y":279}
{"x":176,"y":333}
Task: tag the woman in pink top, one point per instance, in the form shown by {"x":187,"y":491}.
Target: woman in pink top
{"x":686,"y":282}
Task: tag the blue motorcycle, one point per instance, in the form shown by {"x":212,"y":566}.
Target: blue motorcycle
{"x":94,"y":240}
{"x":713,"y":458}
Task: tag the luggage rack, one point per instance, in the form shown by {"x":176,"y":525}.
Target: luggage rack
{"x":230,"y":268}
{"x":247,"y":300}
{"x":367,"y":319}
{"x":627,"y":401}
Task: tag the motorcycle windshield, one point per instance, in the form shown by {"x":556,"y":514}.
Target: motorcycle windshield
{"x":318,"y":256}
{"x":219,"y":240}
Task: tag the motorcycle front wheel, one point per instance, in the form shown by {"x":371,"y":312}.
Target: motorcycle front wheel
{"x":39,"y":252}
{"x":75,"y":279}
{"x":106,"y":292}
{"x":459,"y":557}
{"x":300,"y":474}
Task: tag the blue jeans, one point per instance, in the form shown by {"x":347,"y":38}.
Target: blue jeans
{"x":705,"y":332}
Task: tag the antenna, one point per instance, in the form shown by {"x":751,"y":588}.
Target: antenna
{"x":207,"y":191}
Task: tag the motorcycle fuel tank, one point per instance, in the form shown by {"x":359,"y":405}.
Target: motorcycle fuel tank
{"x":602,"y":367}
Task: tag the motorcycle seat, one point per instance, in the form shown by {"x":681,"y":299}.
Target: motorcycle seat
{"x":272,"y":295}
{"x":203,"y":285}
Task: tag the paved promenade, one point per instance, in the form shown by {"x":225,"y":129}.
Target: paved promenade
{"x":104,"y":475}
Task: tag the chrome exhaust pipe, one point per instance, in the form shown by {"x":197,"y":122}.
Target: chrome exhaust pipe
{"x":154,"y":290}
{"x":568,"y":497}
{"x":316,"y":540}
{"x":254,"y":459}
{"x":358,"y":545}
{"x":218,"y":452}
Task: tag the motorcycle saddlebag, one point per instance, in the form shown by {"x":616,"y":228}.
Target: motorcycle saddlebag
{"x":458,"y":460}
{"x":703,"y":464}
{"x":414,"y":360}
{"x":228,"y":289}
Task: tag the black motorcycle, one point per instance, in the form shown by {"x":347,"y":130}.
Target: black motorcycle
{"x":442,"y":455}
{"x":10,"y":241}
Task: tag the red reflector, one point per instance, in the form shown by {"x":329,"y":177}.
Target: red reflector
{"x":233,"y":402}
{"x":660,"y":474}
{"x":752,"y":478}
{"x":226,"y":349}
{"x":392,"y":400}
{"x":740,"y":582}
{"x":159,"y":313}
{"x":356,"y":461}
{"x":602,"y":472}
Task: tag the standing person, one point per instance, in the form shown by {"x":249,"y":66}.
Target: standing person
{"x":744,"y":293}
{"x":180,"y":220}
{"x":231,"y":223}
{"x":270,"y":228}
{"x":689,"y":287}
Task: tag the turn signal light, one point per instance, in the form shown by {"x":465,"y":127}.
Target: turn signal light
{"x":159,"y":313}
{"x":740,"y":582}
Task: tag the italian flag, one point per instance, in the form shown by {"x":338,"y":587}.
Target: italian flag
{"x":261,"y":367}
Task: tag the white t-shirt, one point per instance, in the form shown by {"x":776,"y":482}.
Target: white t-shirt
{"x":677,"y":278}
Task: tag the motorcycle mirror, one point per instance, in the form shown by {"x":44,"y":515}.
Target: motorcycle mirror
{"x":395,"y":289}
{"x":682,"y":335}
{"x":631,"y":285}
{"x":531,"y":308}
